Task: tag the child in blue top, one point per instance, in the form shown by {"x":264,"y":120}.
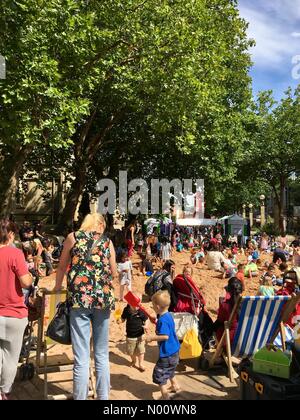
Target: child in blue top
{"x":169,"y":346}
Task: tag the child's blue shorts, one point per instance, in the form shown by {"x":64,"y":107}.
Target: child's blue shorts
{"x":165,"y":369}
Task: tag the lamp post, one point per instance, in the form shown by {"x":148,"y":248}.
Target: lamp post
{"x":262,"y":211}
{"x":244,"y":211}
{"x":251,"y":214}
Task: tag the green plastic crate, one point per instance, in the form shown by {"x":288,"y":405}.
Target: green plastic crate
{"x":272,"y":361}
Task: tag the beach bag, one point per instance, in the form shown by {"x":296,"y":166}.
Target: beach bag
{"x":59,"y":328}
{"x":184,"y":321}
{"x":190,"y":347}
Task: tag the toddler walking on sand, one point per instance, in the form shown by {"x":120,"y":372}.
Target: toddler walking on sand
{"x":168,"y":345}
{"x":136,"y":326}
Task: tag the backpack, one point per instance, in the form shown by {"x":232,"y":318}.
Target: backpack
{"x":156,"y":282}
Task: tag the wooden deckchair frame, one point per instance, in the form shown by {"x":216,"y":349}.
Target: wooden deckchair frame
{"x":288,"y":309}
{"x":42,"y":348}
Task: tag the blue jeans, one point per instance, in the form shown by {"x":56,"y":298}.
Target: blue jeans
{"x":81,"y":320}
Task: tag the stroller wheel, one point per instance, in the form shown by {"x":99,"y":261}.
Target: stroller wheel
{"x":22,"y":372}
{"x":31,"y":371}
{"x":26,"y":372}
{"x":203,"y":364}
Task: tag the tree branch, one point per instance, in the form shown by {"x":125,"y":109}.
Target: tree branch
{"x":95,"y":142}
{"x":89,"y":64}
{"x":276,"y":194}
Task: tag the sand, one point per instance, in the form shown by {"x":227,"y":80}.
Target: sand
{"x":128,"y":383}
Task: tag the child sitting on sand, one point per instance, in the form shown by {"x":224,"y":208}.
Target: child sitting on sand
{"x":179,"y":247}
{"x":251,"y":269}
{"x":197,"y":256}
{"x":229,"y":266}
{"x":136,"y":326}
{"x":266,"y":287}
{"x":169,"y":346}
{"x":271,"y":273}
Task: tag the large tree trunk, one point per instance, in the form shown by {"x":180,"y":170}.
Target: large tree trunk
{"x":86,"y":148}
{"x":66,"y":218}
{"x":10,"y":165}
{"x":280,"y":204}
{"x":282,"y":207}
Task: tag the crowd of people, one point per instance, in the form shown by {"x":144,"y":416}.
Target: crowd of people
{"x":94,"y":263}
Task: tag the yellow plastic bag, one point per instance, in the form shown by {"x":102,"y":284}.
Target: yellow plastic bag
{"x":190,"y":346}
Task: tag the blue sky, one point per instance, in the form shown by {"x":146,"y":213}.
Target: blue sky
{"x":275,"y":26}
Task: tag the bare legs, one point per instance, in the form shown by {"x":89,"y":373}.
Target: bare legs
{"x":174,"y":388}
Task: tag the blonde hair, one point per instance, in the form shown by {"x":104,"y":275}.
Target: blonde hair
{"x":188,"y":268}
{"x":92,"y":221}
{"x":266,"y":281}
{"x":161,"y":299}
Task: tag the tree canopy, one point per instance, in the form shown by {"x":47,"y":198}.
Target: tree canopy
{"x":161,"y":89}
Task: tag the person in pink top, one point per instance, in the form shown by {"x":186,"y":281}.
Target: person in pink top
{"x":233,"y":291}
{"x":13,"y":312}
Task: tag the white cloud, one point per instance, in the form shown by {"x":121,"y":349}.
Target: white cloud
{"x":271,"y":26}
{"x":296,"y":34}
{"x":288,"y":10}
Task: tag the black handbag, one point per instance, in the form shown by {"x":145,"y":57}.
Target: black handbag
{"x":59,"y":328}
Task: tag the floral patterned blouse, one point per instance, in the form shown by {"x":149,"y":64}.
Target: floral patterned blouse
{"x":90,"y":278}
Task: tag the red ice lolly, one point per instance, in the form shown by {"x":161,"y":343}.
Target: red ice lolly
{"x":136,"y":302}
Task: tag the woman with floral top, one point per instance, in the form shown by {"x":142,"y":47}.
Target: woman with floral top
{"x":91,"y":257}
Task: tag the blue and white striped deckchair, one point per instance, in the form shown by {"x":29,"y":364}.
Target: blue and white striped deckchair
{"x":259,"y":318}
{"x":258,"y":324}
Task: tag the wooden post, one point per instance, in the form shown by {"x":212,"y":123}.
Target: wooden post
{"x":45,"y":372}
{"x":218,"y":351}
{"x":228,"y":347}
{"x":283,"y":336}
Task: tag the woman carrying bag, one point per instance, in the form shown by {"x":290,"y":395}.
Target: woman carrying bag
{"x":91,"y":257}
{"x":14,"y":276}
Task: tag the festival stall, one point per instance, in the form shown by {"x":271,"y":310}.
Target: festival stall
{"x":235,"y":225}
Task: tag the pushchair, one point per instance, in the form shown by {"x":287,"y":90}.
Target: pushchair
{"x":199,"y":319}
{"x":33,"y":302}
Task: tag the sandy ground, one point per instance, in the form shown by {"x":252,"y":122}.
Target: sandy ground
{"x":128,"y":383}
